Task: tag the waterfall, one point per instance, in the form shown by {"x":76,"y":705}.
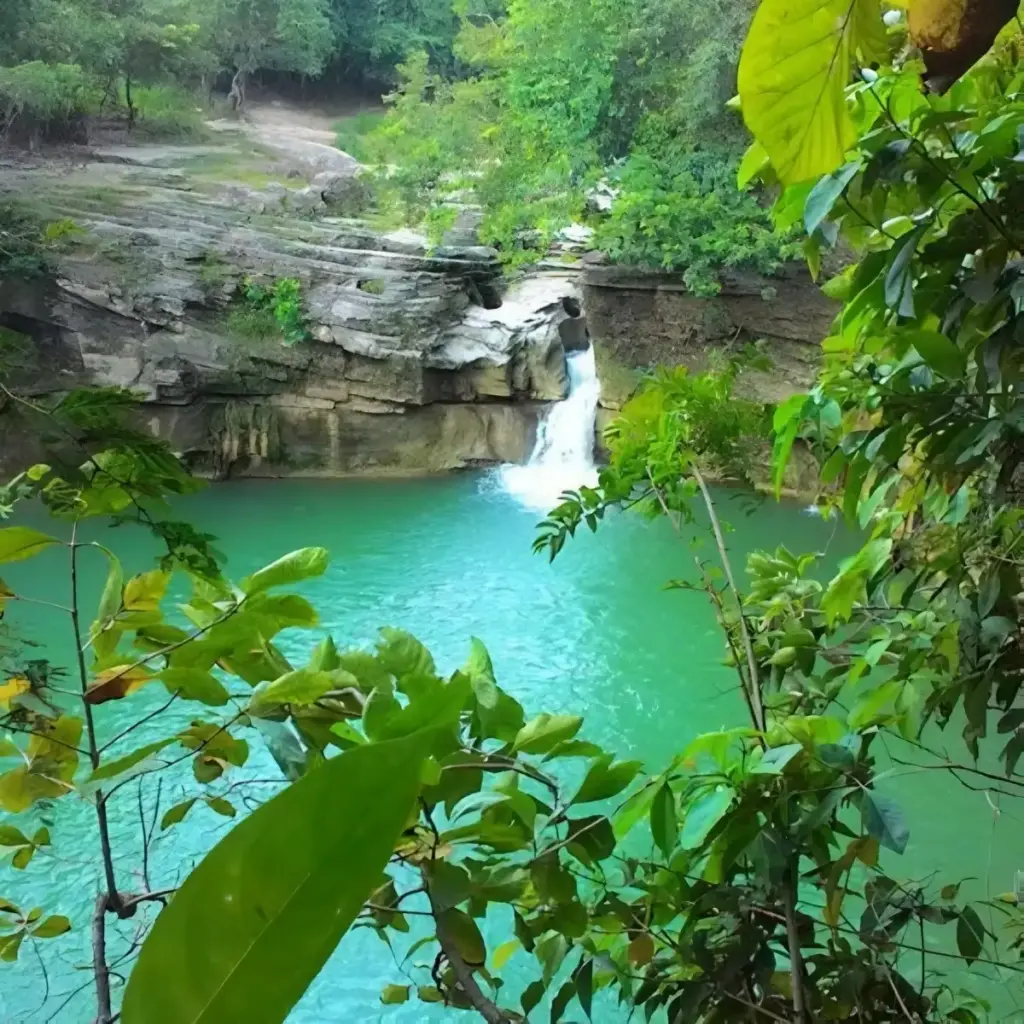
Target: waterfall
{"x":563,"y":456}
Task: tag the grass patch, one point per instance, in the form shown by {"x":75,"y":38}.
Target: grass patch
{"x":17,"y":350}
{"x":249,"y":324}
{"x":350,"y":133}
{"x":237,"y":168}
{"x":164,"y":112}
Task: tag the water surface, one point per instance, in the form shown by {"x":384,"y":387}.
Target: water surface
{"x":595,"y":633}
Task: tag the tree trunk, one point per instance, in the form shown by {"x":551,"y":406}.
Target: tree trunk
{"x":237,"y":93}
{"x":128,"y":99}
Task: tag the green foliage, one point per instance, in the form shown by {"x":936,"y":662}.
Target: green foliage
{"x":560,"y":92}
{"x":170,"y":112}
{"x":28,"y":244}
{"x":374,"y":36}
{"x":45,"y":92}
{"x":274,"y":309}
{"x":285,"y":35}
{"x":350,"y":133}
{"x":683,"y":214}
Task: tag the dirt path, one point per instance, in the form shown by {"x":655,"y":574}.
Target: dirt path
{"x":303,"y":133}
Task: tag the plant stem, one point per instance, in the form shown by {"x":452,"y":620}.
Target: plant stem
{"x":796,"y":958}
{"x":756,"y":703}
{"x":487,"y":1008}
{"x":111,"y":900}
{"x":99,"y":960}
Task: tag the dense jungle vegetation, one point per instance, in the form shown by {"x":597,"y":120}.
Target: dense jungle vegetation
{"x":756,"y":876}
{"x":527,"y":110}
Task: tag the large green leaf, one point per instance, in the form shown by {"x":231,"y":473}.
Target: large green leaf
{"x":939,"y":353}
{"x":256,"y":920}
{"x":540,"y":734}
{"x":704,"y":814}
{"x":20,"y":542}
{"x":605,"y":779}
{"x":481,"y":674}
{"x":299,"y":687}
{"x":796,"y":63}
{"x":663,"y":820}
{"x":884,"y":820}
{"x":291,"y":568}
{"x":970,"y":934}
{"x":825,"y":193}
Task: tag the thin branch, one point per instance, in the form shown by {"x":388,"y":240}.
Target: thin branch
{"x":487,"y":1008}
{"x":713,"y":595}
{"x":112,"y":899}
{"x":899,"y":998}
{"x":160,"y":896}
{"x":140,"y":721}
{"x":796,"y":957}
{"x":99,"y":959}
{"x":755,"y":686}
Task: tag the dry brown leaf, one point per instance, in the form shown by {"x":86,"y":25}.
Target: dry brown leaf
{"x":117,"y":682}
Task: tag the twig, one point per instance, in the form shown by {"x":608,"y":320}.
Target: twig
{"x":899,"y":998}
{"x":160,"y":896}
{"x":487,"y":1008}
{"x":140,"y":721}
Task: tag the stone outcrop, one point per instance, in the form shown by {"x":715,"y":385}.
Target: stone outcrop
{"x":418,"y":358}
{"x":639,"y":319}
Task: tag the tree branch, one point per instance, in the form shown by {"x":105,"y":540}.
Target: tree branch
{"x":757,"y":705}
{"x":99,"y":960}
{"x":113,"y":899}
{"x":796,"y":957}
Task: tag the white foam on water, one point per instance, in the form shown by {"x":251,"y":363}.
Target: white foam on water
{"x":563,"y":456}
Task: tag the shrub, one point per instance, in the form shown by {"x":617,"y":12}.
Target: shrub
{"x":685,"y":214}
{"x":164,"y":111}
{"x":269,"y":310}
{"x":351,"y":133}
{"x":43,"y":91}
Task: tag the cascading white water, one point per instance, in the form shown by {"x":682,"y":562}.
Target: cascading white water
{"x":563,"y":457}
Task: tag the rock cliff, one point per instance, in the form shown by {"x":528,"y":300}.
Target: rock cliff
{"x":418,"y":358}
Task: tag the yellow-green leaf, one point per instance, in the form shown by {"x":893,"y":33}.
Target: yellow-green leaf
{"x":503,"y":953}
{"x":128,"y":762}
{"x":176,"y":813}
{"x":51,"y":927}
{"x":392,"y":995}
{"x":14,"y":687}
{"x":796,"y":63}
{"x":20,"y":542}
{"x":144,"y":593}
{"x":195,"y":684}
{"x":291,"y":568}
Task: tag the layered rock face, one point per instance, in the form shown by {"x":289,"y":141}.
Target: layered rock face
{"x":418,"y":359}
{"x":641,"y":319}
